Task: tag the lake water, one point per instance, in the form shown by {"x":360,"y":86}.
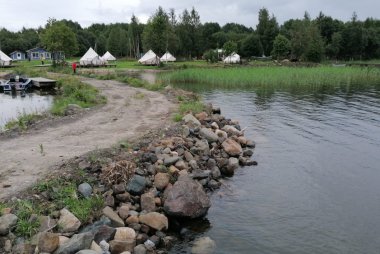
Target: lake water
{"x":14,"y":105}
{"x":316,"y":188}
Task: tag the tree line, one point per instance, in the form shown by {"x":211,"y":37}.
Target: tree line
{"x":185,"y":36}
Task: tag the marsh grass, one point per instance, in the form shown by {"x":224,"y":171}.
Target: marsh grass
{"x":245,"y":77}
{"x":73,"y":91}
{"x":23,"y":121}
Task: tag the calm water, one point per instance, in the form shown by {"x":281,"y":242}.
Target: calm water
{"x":317,"y":186}
{"x":14,"y":105}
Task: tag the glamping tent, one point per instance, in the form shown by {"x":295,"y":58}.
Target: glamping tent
{"x":168,"y":58}
{"x":91,"y":58}
{"x":233,"y":58}
{"x":150,"y":58}
{"x":108,"y":57}
{"x":4,"y":59}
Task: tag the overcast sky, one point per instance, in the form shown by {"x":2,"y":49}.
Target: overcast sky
{"x":16,"y":14}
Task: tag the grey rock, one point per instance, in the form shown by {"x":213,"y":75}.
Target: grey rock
{"x":208,"y":134}
{"x":118,"y":188}
{"x":193,"y":164}
{"x":68,"y":223}
{"x":87,"y":252}
{"x":139,"y":249}
{"x":188,"y":156}
{"x":76,"y":243}
{"x":185,"y":131}
{"x":168,"y":161}
{"x":215,"y":173}
{"x":247,"y":153}
{"x":147,"y":202}
{"x":186,"y":199}
{"x":136,"y":185}
{"x":191,"y":121}
{"x":7,"y":222}
{"x":211,"y":163}
{"x":85,"y":189}
{"x":233,"y":164}
{"x":201,"y":174}
{"x":113,"y":216}
{"x":202,"y":147}
{"x":212,"y":184}
{"x":104,"y":233}
{"x":204,"y":245}
{"x":149,"y":244}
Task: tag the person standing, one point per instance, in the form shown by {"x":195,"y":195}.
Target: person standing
{"x":74,"y":66}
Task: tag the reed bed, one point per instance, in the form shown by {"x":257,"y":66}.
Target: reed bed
{"x":249,"y":77}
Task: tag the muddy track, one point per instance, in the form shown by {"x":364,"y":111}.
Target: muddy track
{"x":129,"y":113}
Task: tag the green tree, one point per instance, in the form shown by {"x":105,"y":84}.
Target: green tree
{"x":267,"y":29}
{"x":113,"y":42}
{"x":59,"y":37}
{"x":155,"y":35}
{"x":251,"y":46}
{"x":229,"y":47}
{"x":281,"y":47}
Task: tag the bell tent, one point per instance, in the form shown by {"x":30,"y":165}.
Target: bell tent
{"x":108,"y":57}
{"x":233,"y":58}
{"x":91,"y":58}
{"x":150,"y":58}
{"x":4,"y":59}
{"x":167,"y":57}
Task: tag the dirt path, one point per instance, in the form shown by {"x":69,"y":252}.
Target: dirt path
{"x":129,"y":113}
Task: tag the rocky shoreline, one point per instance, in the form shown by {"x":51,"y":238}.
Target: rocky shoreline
{"x":146,"y":191}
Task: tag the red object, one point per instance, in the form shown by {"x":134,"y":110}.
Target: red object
{"x":74,"y":66}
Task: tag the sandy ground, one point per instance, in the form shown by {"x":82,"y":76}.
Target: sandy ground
{"x":129,"y":113}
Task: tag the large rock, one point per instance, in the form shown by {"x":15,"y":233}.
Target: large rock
{"x":136,"y":185}
{"x":48,"y":242}
{"x":105,"y":233}
{"x":147,"y":202}
{"x":204,"y":245}
{"x":232,"y":130}
{"x":155,"y":220}
{"x":191,"y":121}
{"x":87,"y":252}
{"x":233,"y":164}
{"x":232,"y":147}
{"x":186,"y":199}
{"x":124,"y":233}
{"x":46,"y":223}
{"x":161,"y":180}
{"x":76,"y":243}
{"x":85,"y":189}
{"x":117,"y":246}
{"x":112,"y":215}
{"x":208,"y":134}
{"x":68,"y":223}
{"x":7,"y":222}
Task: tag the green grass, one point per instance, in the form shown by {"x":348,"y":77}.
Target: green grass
{"x":247,"y":77}
{"x":191,"y":106}
{"x":22,"y":122}
{"x":2,"y":206}
{"x":26,"y":226}
{"x":73,"y":91}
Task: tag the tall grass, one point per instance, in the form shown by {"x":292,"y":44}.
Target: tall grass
{"x":275,"y":76}
{"x":73,"y":91}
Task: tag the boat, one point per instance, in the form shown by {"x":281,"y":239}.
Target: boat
{"x":17,"y":84}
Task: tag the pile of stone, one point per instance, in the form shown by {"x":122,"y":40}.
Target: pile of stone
{"x":170,"y":180}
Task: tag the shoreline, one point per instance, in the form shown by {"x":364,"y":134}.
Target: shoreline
{"x":195,"y":155}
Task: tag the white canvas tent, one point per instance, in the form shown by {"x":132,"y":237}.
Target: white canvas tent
{"x":108,"y":57}
{"x":233,"y":58}
{"x":91,"y":58}
{"x":150,"y":58}
{"x":167,"y":57}
{"x":4,"y":59}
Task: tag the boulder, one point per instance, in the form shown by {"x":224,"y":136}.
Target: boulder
{"x":48,"y":242}
{"x":147,"y":202}
{"x":85,"y":189}
{"x":161,"y":180}
{"x":136,"y":185}
{"x":112,"y":215}
{"x":123,"y":211}
{"x":124,"y":233}
{"x":7,"y":222}
{"x":76,"y":243}
{"x":68,"y":223}
{"x":208,"y":134}
{"x":105,"y":233}
{"x":231,"y":147}
{"x":155,"y":220}
{"x":117,"y":246}
{"x":222,"y":135}
{"x":231,"y":130}
{"x":191,"y":121}
{"x":140,"y":249}
{"x":186,"y":199}
{"x":204,"y":245}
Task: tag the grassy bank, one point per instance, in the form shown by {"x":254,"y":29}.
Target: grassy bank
{"x":275,"y":76}
{"x":72,"y":91}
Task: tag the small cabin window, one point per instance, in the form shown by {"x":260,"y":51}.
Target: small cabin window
{"x":19,"y":55}
{"x":35,"y":55}
{"x":47,"y":55}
